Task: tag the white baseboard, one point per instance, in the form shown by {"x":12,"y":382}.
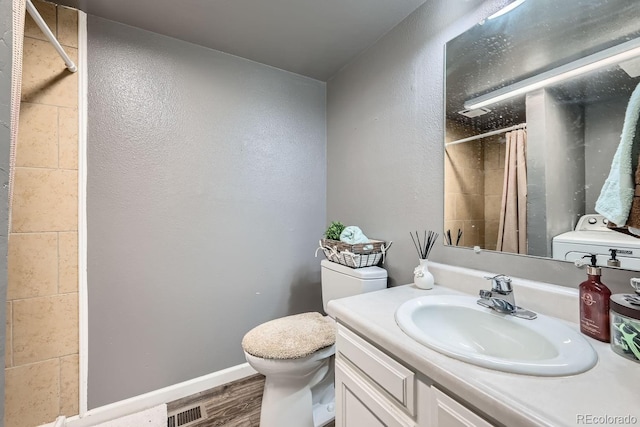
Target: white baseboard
{"x":158,"y":397}
{"x":154,"y":417}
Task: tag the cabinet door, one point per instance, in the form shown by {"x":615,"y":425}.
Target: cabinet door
{"x":358,"y":404}
{"x":446,"y":412}
{"x":356,"y":413}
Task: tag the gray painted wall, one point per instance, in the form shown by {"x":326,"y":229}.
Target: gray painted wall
{"x":565,"y":167}
{"x":385,"y":122}
{"x":206,"y":199}
{"x":536,"y":174}
{"x":603,"y":126}
{"x":6,"y":52}
{"x":555,"y":169}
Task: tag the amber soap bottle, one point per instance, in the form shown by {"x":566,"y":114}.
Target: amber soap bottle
{"x":594,"y":304}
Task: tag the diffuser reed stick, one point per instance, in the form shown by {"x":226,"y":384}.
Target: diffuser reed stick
{"x":424,"y":247}
{"x":449,"y":240}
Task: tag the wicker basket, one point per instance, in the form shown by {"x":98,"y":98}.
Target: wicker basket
{"x":360,"y":248}
{"x":355,"y":256}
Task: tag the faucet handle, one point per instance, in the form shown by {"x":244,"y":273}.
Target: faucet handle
{"x":500,"y":283}
{"x":502,"y":306}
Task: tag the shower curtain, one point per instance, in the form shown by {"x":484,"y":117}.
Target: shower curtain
{"x":18,"y":9}
{"x":512,"y":231}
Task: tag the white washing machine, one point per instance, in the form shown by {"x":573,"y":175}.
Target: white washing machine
{"x":592,"y":236}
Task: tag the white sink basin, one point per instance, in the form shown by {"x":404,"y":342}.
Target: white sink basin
{"x":458,"y":327}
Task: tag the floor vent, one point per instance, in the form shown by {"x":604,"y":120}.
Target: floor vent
{"x":186,"y":416}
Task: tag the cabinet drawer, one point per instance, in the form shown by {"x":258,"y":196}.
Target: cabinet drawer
{"x":390,"y":375}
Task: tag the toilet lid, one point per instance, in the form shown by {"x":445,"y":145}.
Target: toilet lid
{"x":290,"y":337}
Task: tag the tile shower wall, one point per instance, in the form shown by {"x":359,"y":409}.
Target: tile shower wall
{"x":474,"y":173}
{"x":41,"y":360}
{"x":494,"y":155}
{"x":6,"y":51}
{"x":464,"y":192}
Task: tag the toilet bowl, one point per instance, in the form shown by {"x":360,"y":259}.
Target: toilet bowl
{"x":296,"y":353}
{"x":297,"y":392}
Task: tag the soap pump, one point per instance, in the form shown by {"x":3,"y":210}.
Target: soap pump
{"x":613,"y":261}
{"x":594,"y":303}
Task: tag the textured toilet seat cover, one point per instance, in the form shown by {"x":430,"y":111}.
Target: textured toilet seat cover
{"x":290,"y":337}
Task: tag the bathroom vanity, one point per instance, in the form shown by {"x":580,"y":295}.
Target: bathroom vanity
{"x":373,"y":389}
{"x":386,"y":378}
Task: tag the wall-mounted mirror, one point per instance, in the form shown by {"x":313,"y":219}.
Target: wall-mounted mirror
{"x":535,"y":105}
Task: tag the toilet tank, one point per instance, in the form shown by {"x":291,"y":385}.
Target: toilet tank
{"x":339,"y":281}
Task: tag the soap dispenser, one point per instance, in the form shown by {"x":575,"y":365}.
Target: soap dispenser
{"x":613,"y":261}
{"x":594,"y":304}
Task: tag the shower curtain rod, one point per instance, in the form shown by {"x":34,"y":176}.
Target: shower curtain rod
{"x":47,"y":32}
{"x":486,"y":134}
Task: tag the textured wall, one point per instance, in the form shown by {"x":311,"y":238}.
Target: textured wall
{"x":206,"y":199}
{"x":385,"y":122}
{"x":6,"y":41}
{"x":603,"y":126}
{"x":555,"y":169}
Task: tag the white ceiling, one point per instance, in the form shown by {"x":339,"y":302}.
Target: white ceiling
{"x":315,"y":38}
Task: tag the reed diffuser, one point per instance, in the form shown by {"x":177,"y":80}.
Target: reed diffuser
{"x":422,"y":277}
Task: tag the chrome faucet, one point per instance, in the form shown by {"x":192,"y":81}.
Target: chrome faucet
{"x":501,"y":299}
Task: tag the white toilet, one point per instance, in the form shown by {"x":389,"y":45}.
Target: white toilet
{"x":295,"y":353}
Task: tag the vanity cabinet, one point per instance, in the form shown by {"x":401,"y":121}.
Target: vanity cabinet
{"x":375,"y":390}
{"x":359,"y":403}
{"x":447,"y":412}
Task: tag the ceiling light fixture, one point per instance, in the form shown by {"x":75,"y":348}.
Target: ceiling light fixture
{"x":604,"y":58}
{"x":507,"y":8}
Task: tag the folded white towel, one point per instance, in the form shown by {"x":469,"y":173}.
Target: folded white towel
{"x":353,"y":235}
{"x":617,"y":192}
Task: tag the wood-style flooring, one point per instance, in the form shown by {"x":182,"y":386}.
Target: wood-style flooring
{"x":236,"y":404}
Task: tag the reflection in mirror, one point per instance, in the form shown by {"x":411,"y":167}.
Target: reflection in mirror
{"x":535,"y":106}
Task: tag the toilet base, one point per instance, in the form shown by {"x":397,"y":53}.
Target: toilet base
{"x":292,"y":404}
{"x":298,"y":392}
{"x":324,"y":398}
{"x":323,"y":414}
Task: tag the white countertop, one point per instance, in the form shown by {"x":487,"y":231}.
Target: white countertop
{"x":611,"y":388}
